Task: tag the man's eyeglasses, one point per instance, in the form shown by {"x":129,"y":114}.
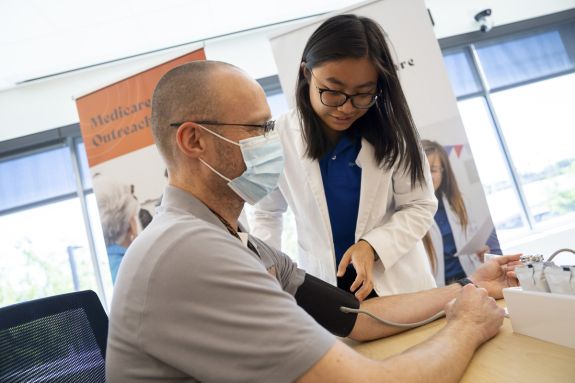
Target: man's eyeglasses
{"x":266,"y":127}
{"x":335,"y":98}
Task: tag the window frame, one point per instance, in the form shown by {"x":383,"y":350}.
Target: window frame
{"x":467,"y":43}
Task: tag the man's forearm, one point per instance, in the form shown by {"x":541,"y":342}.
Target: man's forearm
{"x":404,"y":308}
{"x":442,"y":358}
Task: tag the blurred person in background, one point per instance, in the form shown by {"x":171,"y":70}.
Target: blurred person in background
{"x":119,"y":214}
{"x":453,"y":226}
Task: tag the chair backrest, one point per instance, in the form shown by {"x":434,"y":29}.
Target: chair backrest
{"x":55,"y":339}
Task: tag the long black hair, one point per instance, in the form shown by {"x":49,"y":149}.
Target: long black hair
{"x":387,"y":125}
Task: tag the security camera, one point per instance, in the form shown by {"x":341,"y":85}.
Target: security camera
{"x":484,"y":20}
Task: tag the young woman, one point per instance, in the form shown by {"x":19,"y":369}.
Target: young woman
{"x":452,"y":227}
{"x":355,"y":176}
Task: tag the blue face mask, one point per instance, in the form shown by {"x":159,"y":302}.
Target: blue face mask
{"x":263,"y":156}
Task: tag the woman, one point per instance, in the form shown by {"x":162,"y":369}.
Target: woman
{"x":119,"y":210}
{"x":355,"y":176}
{"x":452,"y":227}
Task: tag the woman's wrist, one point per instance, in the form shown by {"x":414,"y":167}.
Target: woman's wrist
{"x":375,"y":256}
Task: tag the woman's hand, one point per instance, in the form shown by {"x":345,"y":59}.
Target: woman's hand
{"x":362,"y":256}
{"x":481,"y":253}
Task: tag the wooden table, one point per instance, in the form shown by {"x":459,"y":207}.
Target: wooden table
{"x":508,"y":357}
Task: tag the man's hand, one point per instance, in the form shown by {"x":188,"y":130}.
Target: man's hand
{"x":497,"y":274}
{"x":476,"y":313}
{"x":362,"y":256}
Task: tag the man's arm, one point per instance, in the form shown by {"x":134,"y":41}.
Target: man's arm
{"x":323,"y":301}
{"x":471,"y":320}
{"x":403,"y":308}
{"x":409,"y":308}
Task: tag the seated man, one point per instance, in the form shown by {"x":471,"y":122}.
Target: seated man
{"x":197,"y":299}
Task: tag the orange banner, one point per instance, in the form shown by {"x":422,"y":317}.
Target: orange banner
{"x":115,"y":120}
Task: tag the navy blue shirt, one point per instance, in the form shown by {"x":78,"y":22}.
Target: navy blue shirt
{"x":342,"y":184}
{"x":453,"y":269}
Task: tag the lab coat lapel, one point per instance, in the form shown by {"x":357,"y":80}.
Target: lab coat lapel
{"x":371,"y":176}
{"x":313,"y":177}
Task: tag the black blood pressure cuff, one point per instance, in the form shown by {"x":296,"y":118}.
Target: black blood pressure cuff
{"x":322,"y":301}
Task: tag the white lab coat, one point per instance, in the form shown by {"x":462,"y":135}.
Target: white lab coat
{"x":392,"y":217}
{"x":468,"y":262}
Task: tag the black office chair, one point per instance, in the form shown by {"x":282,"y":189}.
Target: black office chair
{"x":56,"y":339}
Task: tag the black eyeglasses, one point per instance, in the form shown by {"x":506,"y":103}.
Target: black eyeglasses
{"x":335,"y":98}
{"x":266,"y":127}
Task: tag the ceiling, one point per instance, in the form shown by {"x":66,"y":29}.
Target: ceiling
{"x":39,"y":38}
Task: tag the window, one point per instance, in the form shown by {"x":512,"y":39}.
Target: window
{"x":515,"y":94}
{"x":46,"y":241}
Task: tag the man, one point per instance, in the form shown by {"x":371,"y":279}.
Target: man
{"x":198,"y":300}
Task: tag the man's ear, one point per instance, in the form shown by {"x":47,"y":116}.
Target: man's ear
{"x":189,"y":140}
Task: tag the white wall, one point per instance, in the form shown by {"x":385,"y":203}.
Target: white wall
{"x":48,"y":104}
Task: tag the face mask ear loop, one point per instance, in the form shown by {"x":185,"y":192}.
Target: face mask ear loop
{"x":219,"y":136}
{"x":214,"y":170}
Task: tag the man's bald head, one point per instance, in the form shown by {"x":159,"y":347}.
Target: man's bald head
{"x":190,"y":92}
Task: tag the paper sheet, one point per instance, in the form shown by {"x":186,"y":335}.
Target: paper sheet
{"x":478,"y":240}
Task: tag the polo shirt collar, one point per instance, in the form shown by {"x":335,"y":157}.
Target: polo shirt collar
{"x":177,"y":198}
{"x":347,"y":140}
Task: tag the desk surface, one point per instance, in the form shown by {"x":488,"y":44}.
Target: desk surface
{"x":508,"y":357}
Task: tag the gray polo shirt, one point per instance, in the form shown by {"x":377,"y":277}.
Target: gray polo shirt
{"x":192,"y":303}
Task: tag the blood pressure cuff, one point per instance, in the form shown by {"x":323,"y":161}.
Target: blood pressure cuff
{"x":322,"y":301}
